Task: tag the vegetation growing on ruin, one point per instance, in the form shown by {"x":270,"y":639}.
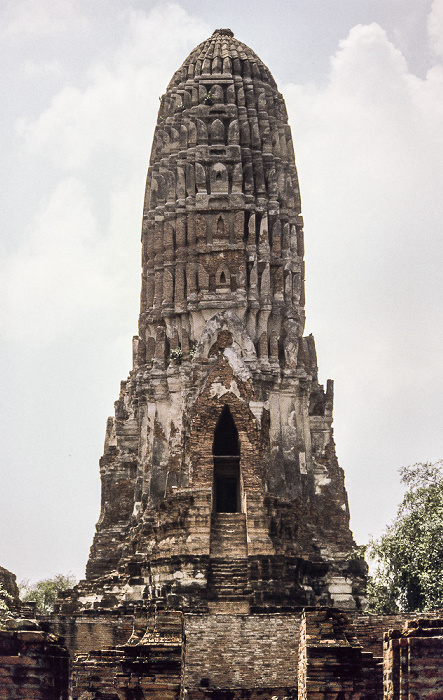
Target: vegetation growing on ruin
{"x":6,"y":600}
{"x":408,"y":557}
{"x":45,"y":592}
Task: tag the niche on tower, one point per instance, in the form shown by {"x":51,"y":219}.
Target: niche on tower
{"x":226,"y":454}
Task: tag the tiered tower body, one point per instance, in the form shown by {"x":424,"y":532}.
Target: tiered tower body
{"x":220,"y":484}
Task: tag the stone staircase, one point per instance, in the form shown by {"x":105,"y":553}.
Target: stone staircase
{"x":228,"y":579}
{"x":228,"y":567}
{"x":228,"y":536}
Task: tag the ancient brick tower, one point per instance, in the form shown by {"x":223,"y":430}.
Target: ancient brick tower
{"x":220,"y":484}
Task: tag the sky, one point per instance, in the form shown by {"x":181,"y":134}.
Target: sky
{"x":80,"y":81}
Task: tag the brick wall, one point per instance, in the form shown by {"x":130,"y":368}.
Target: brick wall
{"x":332,"y":664}
{"x":33,"y":666}
{"x":149,"y":665}
{"x":369,"y":629}
{"x":412,"y":661}
{"x":241,"y":651}
{"x":83,"y":633}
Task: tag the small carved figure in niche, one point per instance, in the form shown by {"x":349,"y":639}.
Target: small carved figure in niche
{"x":290,"y":343}
{"x":223,"y":278}
{"x":219,"y":179}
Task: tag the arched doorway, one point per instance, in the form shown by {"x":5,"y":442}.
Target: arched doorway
{"x":226,"y":453}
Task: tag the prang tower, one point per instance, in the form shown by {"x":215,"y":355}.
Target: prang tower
{"x":220,"y":485}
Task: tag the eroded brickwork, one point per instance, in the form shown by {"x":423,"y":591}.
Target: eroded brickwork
{"x":220,"y":350}
{"x":412,"y":661}
{"x":332,"y":664}
{"x":223,"y":511}
{"x":369,"y":628}
{"x":149,"y":665}
{"x":33,"y":664}
{"x":9,"y":582}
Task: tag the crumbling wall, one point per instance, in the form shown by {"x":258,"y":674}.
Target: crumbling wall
{"x":243,"y":652}
{"x":148,"y":665}
{"x":33,"y":664}
{"x":412,"y":661}
{"x":9,"y":582}
{"x":332,"y":664}
{"x":92,"y":630}
{"x":369,"y":628}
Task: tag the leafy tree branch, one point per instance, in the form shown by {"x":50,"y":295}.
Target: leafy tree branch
{"x":45,"y":592}
{"x":408,"y":557}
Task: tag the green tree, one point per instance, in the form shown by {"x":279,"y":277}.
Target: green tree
{"x":408,"y":557}
{"x":6,"y":600}
{"x":45,"y":592}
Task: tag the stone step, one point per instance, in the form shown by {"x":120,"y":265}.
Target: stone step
{"x":229,"y":517}
{"x":229,"y":571}
{"x":228,"y":579}
{"x":228,"y":535}
{"x":230,"y":565}
{"x":229,"y":528}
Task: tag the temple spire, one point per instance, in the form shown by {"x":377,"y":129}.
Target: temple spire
{"x":221,"y":448}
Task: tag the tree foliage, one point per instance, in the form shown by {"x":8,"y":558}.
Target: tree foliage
{"x":6,"y":601}
{"x":408,"y":557}
{"x":45,"y":592}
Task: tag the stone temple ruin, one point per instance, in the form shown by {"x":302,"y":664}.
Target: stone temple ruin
{"x":222,"y":564}
{"x":219,"y":464}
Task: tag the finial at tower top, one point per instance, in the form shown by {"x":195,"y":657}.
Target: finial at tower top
{"x":226,"y":32}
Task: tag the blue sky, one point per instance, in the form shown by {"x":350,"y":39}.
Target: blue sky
{"x":363,"y":83}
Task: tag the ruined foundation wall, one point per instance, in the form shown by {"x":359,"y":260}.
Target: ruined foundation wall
{"x":412,"y":661}
{"x":317,"y":654}
{"x":88,"y":632}
{"x":33,"y":666}
{"x":332,"y":664}
{"x":241,"y":651}
{"x":370,"y":628}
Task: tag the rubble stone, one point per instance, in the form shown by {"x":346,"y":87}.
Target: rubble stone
{"x":221,"y":446}
{"x":222,"y":566}
{"x":34,"y":665}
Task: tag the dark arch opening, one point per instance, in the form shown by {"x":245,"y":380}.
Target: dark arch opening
{"x":220,"y":226}
{"x":226,"y":435}
{"x":222,"y":278}
{"x":226,"y":452}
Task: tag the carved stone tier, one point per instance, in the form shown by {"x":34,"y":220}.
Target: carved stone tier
{"x":219,"y":477}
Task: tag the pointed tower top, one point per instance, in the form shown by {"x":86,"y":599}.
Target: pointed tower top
{"x":222,"y":54}
{"x":221,"y":451}
{"x":225,"y":32}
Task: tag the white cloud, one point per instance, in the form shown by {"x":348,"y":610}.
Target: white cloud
{"x":116,"y":109}
{"x":369,"y":148}
{"x":80,"y":251}
{"x":34,"y":18}
{"x":57,"y":274}
{"x":435,"y":27}
{"x":35,"y":69}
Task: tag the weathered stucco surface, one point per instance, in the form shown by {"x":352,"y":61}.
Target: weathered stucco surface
{"x":221,"y":332}
{"x":222,"y":566}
